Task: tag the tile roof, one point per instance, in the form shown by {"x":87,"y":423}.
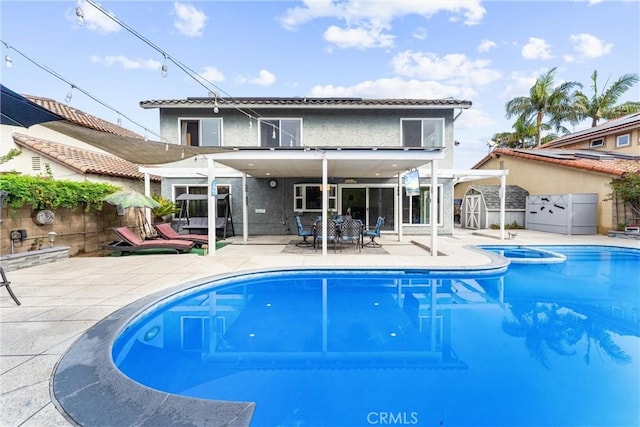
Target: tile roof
{"x":306,"y":102}
{"x":80,"y":160}
{"x":81,"y":118}
{"x":589,"y":160}
{"x":629,"y":121}
{"x":515,"y":196}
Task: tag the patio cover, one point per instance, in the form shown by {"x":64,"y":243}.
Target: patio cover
{"x":325,"y":162}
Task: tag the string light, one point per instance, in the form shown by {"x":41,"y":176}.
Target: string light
{"x":67,"y":98}
{"x":165,"y":70}
{"x":73,"y":86}
{"x":215,"y":105}
{"x":186,"y":69}
{"x":8,"y":61}
{"x":79,"y":14}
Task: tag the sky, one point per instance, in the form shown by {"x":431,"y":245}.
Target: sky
{"x":486,"y":52}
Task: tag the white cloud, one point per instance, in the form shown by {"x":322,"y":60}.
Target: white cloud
{"x":189,"y":20}
{"x":395,"y":88}
{"x":420,"y":33}
{"x":360,"y":38}
{"x":451,"y":67}
{"x":365,"y":20}
{"x":264,"y":78}
{"x":486,"y":45}
{"x":127,"y":63}
{"x":212,"y":74}
{"x":518,"y":84}
{"x":95,"y":20}
{"x":536,"y":49}
{"x":590,"y":46}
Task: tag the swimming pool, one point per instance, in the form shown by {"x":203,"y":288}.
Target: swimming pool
{"x":548,"y":344}
{"x":552,"y":344}
{"x":525,"y":254}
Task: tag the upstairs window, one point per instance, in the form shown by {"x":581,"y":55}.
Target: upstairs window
{"x":596,"y":143}
{"x":280,"y":132}
{"x":622,"y":140}
{"x":201,"y":132}
{"x":426,"y":133}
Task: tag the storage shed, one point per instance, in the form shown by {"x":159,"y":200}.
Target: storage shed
{"x":481,"y":206}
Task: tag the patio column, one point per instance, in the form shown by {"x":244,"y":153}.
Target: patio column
{"x":245,"y":207}
{"x":503,"y":196}
{"x":399,"y":204}
{"x":325,"y":205}
{"x":147,"y":192}
{"x":434,"y":208}
{"x":212,"y":204}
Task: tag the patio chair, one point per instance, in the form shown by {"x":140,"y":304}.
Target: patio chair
{"x":303,"y":233}
{"x":351,"y":231}
{"x":5,"y":282}
{"x":332,"y":234}
{"x":131,"y":242}
{"x":166,"y":231}
{"x":374,"y":233}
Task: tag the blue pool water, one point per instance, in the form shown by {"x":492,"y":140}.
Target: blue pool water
{"x":538,"y":344}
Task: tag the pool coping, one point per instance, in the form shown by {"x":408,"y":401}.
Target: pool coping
{"x":88,"y":389}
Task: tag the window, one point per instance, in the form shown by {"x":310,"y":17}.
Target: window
{"x":622,"y":140}
{"x":427,"y":133}
{"x":197,"y":208}
{"x":417,"y":209}
{"x":308,"y":197}
{"x":597,"y":143}
{"x":201,"y":132}
{"x":280,"y":132}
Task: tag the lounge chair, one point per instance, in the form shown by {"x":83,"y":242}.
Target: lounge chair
{"x":131,"y":242}
{"x":303,"y":233}
{"x":166,"y":231}
{"x":374,"y":233}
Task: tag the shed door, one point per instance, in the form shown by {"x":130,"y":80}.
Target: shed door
{"x":472,"y":211}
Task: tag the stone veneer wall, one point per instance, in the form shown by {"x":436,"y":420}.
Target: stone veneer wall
{"x":76,"y":229}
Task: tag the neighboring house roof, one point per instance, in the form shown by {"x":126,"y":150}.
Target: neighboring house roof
{"x":628,"y":122}
{"x":81,"y":118}
{"x":615,"y":164}
{"x":307,"y":102}
{"x":515,"y":196}
{"x":80,"y":160}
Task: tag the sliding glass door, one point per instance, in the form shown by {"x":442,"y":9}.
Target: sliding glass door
{"x":367,"y":203}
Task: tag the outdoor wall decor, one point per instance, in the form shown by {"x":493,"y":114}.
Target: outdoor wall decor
{"x":563,"y":213}
{"x":43,"y":217}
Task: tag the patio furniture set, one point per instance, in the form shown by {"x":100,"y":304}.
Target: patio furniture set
{"x":341,"y":229}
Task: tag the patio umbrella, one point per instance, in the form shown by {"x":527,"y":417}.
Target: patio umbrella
{"x":16,"y":110}
{"x":133,"y":199}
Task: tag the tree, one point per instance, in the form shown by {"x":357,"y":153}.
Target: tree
{"x":545,"y":100}
{"x":627,"y":188}
{"x":523,"y":136}
{"x":603,"y":105}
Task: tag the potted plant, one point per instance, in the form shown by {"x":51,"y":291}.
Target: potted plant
{"x":166,"y":208}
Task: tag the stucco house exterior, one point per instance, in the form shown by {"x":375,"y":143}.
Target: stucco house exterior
{"x":283,"y":157}
{"x":582,"y":162}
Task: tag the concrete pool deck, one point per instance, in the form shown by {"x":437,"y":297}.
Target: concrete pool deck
{"x":60,"y":301}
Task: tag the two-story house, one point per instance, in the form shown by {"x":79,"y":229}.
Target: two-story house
{"x":282,"y":157}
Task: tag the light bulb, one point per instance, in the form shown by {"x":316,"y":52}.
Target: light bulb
{"x":215,"y":108}
{"x":273,"y":133}
{"x":79,"y":16}
{"x":67,"y":98}
{"x":165,"y":70}
{"x":250,"y":123}
{"x":8,"y":62}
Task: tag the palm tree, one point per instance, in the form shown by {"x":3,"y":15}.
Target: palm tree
{"x":603,"y":105}
{"x":523,"y":135}
{"x":545,"y":100}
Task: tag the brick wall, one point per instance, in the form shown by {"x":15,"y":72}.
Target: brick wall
{"x":81,"y":231}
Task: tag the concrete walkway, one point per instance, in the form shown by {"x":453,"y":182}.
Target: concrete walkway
{"x":60,"y":301}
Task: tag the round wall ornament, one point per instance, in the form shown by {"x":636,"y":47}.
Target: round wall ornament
{"x":44,"y":217}
{"x":273,"y":183}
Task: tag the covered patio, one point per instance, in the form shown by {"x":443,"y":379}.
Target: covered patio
{"x":325,"y":163}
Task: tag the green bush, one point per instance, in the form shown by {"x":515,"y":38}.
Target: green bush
{"x":47,"y":193}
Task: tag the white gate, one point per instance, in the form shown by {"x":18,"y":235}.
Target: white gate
{"x":472,"y":211}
